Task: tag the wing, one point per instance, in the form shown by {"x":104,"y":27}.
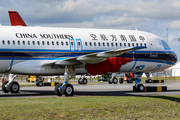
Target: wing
{"x":94,"y":57}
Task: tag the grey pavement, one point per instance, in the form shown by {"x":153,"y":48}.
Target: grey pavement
{"x":95,"y":89}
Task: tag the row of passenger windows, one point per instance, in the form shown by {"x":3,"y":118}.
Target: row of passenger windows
{"x":114,"y":44}
{"x":33,"y":42}
{"x":66,"y":43}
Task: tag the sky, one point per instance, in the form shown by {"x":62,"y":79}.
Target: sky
{"x":154,"y":16}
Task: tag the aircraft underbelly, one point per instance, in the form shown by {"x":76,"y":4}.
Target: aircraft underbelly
{"x":5,"y":64}
{"x":137,"y":66}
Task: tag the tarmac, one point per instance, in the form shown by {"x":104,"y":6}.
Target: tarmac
{"x":94,"y":89}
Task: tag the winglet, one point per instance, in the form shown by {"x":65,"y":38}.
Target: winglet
{"x":16,"y":19}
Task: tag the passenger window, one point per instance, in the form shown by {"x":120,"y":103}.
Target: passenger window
{"x":140,"y":44}
{"x":136,"y":44}
{"x":67,"y":43}
{"x":99,"y":43}
{"x":43,"y":43}
{"x":47,"y":42}
{"x":62,"y":43}
{"x":79,"y":44}
{"x":121,"y":44}
{"x":129,"y":44}
{"x":23,"y":42}
{"x":72,"y":43}
{"x":103,"y":44}
{"x":33,"y":42}
{"x":13,"y":42}
{"x":94,"y":43}
{"x":28,"y":42}
{"x":145,"y":44}
{"x":116,"y":44}
{"x":52,"y":42}
{"x":38,"y":42}
{"x":111,"y":44}
{"x":18,"y":42}
{"x":8,"y":42}
{"x":90,"y":43}
{"x":133,"y":44}
{"x":107,"y":44}
{"x":85,"y":43}
{"x":124,"y":44}
{"x":3,"y":42}
{"x":57,"y":43}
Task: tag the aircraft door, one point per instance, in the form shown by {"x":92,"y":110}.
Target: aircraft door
{"x":153,"y":48}
{"x":79,"y":44}
{"x":72,"y":44}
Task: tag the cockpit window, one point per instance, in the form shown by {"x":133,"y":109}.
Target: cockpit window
{"x":165,"y":45}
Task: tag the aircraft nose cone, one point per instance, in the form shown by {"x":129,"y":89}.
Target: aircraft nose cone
{"x":174,"y":58}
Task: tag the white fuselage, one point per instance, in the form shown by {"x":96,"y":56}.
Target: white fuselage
{"x":24,"y":50}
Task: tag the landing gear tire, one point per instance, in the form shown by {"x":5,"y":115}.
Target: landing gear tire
{"x":39,"y":83}
{"x":85,"y":81}
{"x":80,"y":81}
{"x":67,"y":90}
{"x":13,"y":87}
{"x":109,"y":81}
{"x":121,"y":80}
{"x":4,"y":89}
{"x":149,"y":81}
{"x":115,"y":80}
{"x":56,"y":90}
{"x":140,"y":87}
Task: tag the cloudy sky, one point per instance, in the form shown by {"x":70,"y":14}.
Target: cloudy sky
{"x":152,"y":16}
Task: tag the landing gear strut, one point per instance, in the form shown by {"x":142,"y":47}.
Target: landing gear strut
{"x":148,"y":77}
{"x":65,"y":88}
{"x":138,"y":87}
{"x":11,"y":85}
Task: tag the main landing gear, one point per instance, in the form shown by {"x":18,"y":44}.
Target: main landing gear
{"x":113,"y":79}
{"x":138,"y":87}
{"x":11,"y":85}
{"x":65,"y":88}
{"x":82,"y":80}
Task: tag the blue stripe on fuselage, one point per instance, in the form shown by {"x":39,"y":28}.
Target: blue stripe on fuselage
{"x":47,"y":54}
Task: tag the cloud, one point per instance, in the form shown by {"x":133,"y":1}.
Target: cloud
{"x":175,"y":24}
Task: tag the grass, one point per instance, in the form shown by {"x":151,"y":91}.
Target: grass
{"x":92,"y":108}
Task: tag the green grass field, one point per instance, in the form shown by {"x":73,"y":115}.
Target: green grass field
{"x":91,"y":108}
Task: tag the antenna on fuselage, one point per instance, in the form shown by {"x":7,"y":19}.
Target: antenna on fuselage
{"x":136,"y":28}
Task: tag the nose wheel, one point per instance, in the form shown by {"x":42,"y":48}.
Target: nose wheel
{"x":139,"y":88}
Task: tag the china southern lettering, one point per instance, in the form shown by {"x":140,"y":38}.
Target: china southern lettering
{"x":44,"y":36}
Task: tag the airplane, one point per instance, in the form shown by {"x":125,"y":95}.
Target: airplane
{"x":47,"y":51}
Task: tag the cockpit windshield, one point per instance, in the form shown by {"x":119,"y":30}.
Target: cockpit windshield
{"x":165,"y":45}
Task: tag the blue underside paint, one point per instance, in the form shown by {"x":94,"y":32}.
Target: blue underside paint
{"x":47,"y":54}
